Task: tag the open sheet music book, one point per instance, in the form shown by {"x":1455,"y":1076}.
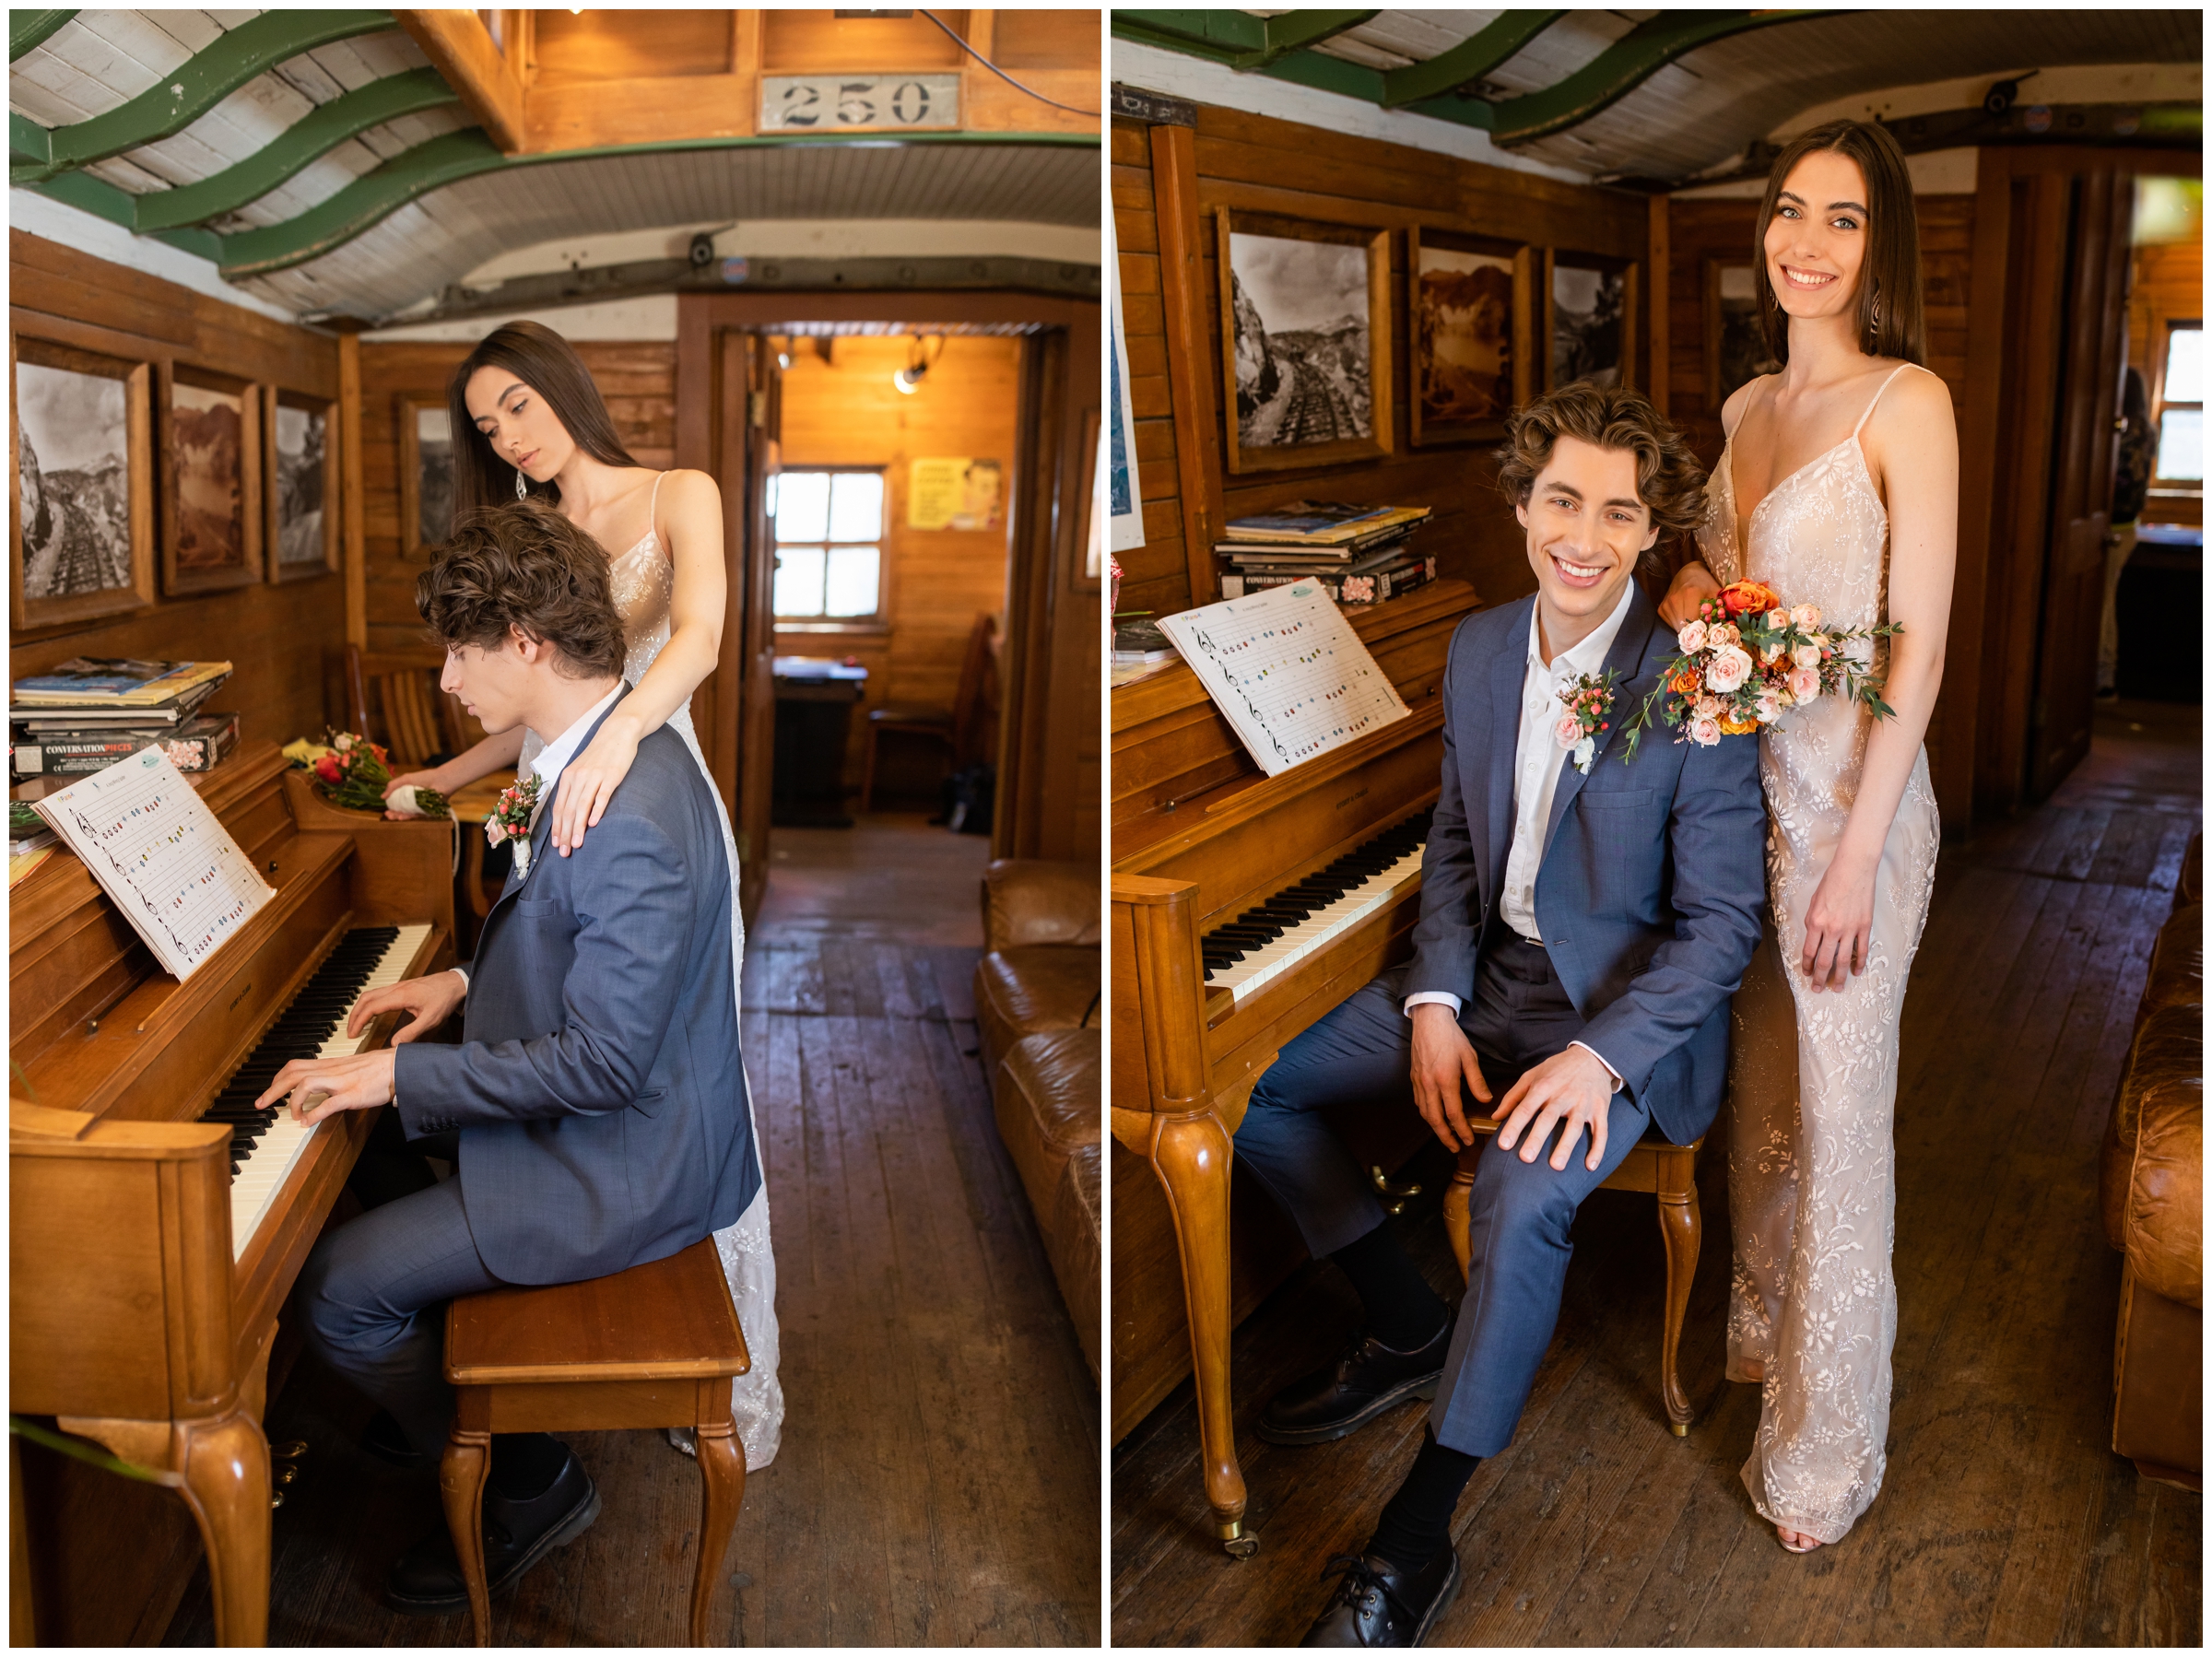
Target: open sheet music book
{"x":1288,"y":672}
{"x":157,"y":850}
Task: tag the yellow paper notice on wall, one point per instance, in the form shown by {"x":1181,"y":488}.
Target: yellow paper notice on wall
{"x":953,"y":492}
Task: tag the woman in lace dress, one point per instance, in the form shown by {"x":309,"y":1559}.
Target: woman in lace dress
{"x":539,"y":426}
{"x":1838,"y":486}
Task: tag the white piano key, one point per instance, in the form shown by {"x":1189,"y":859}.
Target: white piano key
{"x":1318,"y":929}
{"x":272,"y":1157}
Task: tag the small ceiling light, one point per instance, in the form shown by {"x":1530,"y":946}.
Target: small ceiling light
{"x":909,"y":378}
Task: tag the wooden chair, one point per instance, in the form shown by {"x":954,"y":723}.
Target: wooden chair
{"x":955,"y":727}
{"x":653,"y":1346}
{"x":394,"y":699}
{"x":1669,"y":1172}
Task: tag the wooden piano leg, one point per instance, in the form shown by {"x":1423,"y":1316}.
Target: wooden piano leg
{"x":1682,"y":1227}
{"x":1190,"y":1152}
{"x":462,"y":1471}
{"x":1456,"y":1197}
{"x":225,"y":1468}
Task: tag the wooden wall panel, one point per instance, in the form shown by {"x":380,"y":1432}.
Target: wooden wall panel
{"x":847,"y":413}
{"x":279,"y":638}
{"x":1262,"y":163}
{"x":636,"y":378}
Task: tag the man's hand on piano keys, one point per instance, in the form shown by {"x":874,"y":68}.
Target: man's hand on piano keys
{"x":430,"y":1001}
{"x":1442,"y":1056}
{"x":1571,"y":1090}
{"x":322,"y":1087}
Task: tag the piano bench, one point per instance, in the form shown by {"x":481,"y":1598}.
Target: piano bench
{"x":653,"y":1346}
{"x":1669,"y":1172}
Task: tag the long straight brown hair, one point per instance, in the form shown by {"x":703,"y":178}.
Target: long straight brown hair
{"x":1889,"y":296}
{"x":548,"y":365}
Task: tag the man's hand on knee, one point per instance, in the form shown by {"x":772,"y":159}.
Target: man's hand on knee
{"x":1571,"y":1090}
{"x":1442,"y":1058}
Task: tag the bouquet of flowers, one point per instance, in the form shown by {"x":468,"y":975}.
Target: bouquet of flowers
{"x":352,"y":771}
{"x":1749,"y":657}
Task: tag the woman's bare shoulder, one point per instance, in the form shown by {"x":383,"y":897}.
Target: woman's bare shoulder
{"x":1740,"y":400}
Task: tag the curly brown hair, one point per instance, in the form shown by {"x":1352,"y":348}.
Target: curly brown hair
{"x":525,"y":566}
{"x":1669,"y":480}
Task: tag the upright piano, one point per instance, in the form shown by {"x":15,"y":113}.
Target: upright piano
{"x":154,"y":1227}
{"x":1244,"y":907}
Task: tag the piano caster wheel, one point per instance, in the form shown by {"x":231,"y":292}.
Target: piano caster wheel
{"x":1235,"y":1542}
{"x":291,"y":1449}
{"x":1394,"y":1197}
{"x":1679,"y":1428}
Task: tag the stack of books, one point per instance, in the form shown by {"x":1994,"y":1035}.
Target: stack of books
{"x":89,"y":712}
{"x":1363,"y":555}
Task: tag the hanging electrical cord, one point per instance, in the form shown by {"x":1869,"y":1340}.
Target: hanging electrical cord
{"x":953,"y":35}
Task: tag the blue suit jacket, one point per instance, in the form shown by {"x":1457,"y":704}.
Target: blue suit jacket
{"x":1652,"y":878}
{"x":598,"y":1089}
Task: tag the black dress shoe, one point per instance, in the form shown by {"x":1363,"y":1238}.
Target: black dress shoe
{"x":1378,"y":1605}
{"x":385,"y":1439}
{"x":426,"y":1581}
{"x":1345,"y":1396}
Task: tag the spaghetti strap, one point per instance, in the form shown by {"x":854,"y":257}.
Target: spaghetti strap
{"x":1878,"y":398}
{"x":652,"y":508}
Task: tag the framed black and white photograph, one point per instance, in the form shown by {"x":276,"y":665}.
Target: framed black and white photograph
{"x":302,"y":464}
{"x":426,"y":475}
{"x":1305,"y":341}
{"x":1589,"y":320}
{"x":212,"y":515}
{"x":1468,"y":308}
{"x":1735,"y":346}
{"x":82,"y":489}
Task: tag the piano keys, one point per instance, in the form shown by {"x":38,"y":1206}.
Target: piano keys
{"x":1244,"y":908}
{"x":145,"y":1282}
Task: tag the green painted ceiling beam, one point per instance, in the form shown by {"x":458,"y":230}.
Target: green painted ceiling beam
{"x":26,"y":141}
{"x":1470,"y":60}
{"x":29,"y":28}
{"x":209,"y":76}
{"x":97,"y":196}
{"x":446,"y":160}
{"x":1294,"y":30}
{"x":1620,"y":68}
{"x":1223,"y":35}
{"x":306,"y":141}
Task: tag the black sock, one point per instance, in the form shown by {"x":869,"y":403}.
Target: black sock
{"x":1417,"y":1521}
{"x":524,"y":1465}
{"x":1403,"y":1312}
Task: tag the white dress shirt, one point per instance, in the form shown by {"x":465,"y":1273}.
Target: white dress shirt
{"x":1537,"y":760}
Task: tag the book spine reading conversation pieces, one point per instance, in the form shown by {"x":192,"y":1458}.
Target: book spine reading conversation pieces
{"x":198,"y":745}
{"x":1288,"y":672}
{"x":169,"y":867}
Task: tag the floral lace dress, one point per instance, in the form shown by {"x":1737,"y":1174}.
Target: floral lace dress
{"x":644,"y":582}
{"x":1813,"y":1076}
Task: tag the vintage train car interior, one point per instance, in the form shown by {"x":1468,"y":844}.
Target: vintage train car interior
{"x":1347,"y":244}
{"x":839,"y":271}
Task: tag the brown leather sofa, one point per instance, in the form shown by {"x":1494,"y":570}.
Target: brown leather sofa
{"x":2152,"y":1191}
{"x":1037,"y":1010}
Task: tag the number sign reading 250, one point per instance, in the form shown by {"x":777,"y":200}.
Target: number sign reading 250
{"x":845,"y":103}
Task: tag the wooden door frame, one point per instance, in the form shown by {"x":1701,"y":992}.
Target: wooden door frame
{"x":1989,"y":669}
{"x":1042,"y":512}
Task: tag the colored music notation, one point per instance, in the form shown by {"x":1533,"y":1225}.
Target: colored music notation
{"x":160,"y":855}
{"x":1288,"y":672}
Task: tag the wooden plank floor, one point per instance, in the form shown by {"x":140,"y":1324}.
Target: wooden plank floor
{"x":938,"y":1482}
{"x":2004,"y":1519}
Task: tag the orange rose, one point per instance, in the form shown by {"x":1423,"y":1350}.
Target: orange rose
{"x":1684,"y":682}
{"x":1749,"y":598}
{"x":1738,"y":727}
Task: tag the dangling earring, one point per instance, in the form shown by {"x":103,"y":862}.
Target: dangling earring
{"x":522,"y":489}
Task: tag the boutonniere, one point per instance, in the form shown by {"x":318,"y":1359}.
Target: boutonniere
{"x":511,"y":820}
{"x":1589,"y":715}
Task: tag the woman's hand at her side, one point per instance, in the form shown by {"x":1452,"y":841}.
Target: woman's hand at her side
{"x":1692,"y":585}
{"x":1839,"y":923}
{"x":589,"y":781}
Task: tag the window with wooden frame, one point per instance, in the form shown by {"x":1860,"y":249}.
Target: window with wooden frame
{"x":829,"y":524}
{"x":2178,"y":410}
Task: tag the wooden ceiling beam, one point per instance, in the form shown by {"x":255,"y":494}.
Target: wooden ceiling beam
{"x":461,"y":49}
{"x":1470,"y":60}
{"x":29,"y":28}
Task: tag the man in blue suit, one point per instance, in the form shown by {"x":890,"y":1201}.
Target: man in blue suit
{"x":595,"y":1109}
{"x":1584,"y":920}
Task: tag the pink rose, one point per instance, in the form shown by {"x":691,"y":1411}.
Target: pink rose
{"x":1805,"y":684}
{"x":495,"y":832}
{"x":1731,"y":666}
{"x":1769,"y":652}
{"x":1778,"y":617}
{"x":1806,"y":616}
{"x":1807,"y":655}
{"x":1705,"y":732}
{"x":1568,"y":732}
{"x":1691,"y":637}
{"x":1768,"y":708}
{"x":1705,"y":707}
